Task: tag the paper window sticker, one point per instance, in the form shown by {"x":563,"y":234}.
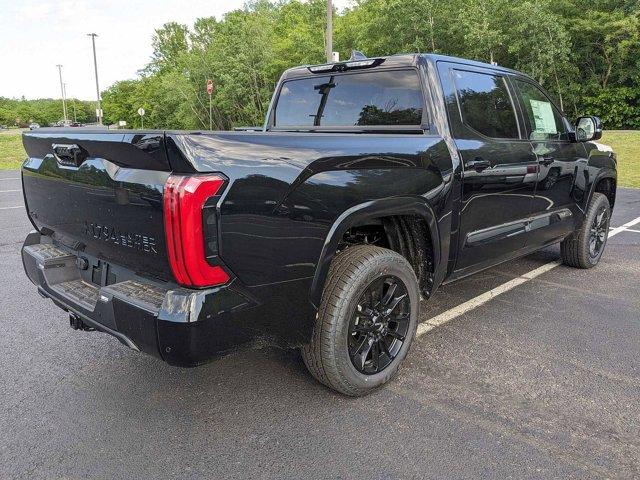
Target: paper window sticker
{"x":543,"y":117}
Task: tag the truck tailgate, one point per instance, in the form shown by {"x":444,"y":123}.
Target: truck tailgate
{"x":101,"y":193}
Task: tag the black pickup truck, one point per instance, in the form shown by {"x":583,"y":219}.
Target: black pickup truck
{"x":372,"y":182}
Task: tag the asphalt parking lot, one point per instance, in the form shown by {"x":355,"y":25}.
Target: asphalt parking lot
{"x":541,"y":381}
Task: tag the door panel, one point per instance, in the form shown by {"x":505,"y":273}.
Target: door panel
{"x":500,"y":170}
{"x":559,"y":165}
{"x":496,"y":202}
{"x":559,"y":161}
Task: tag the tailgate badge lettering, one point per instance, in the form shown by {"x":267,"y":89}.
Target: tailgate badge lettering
{"x":136,"y":241}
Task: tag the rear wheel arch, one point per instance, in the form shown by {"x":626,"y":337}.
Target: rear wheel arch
{"x":410,"y":228}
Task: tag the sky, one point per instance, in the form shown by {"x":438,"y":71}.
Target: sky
{"x":35,"y":36}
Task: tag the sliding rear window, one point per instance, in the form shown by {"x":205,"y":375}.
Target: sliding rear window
{"x":383,"y":98}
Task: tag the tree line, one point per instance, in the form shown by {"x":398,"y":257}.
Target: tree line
{"x":45,"y":111}
{"x":587,"y":54}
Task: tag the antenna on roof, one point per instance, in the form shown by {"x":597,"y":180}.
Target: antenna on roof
{"x":356,"y":55}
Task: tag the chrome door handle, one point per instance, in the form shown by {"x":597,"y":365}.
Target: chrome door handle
{"x":546,"y":160}
{"x":478,"y":164}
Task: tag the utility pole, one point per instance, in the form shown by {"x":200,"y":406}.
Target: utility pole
{"x":329,"y":33}
{"x":64,"y":102}
{"x":95,"y":66}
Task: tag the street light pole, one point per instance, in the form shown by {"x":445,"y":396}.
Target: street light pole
{"x":64,"y":93}
{"x":329,"y":32}
{"x":95,"y":66}
{"x":64,"y":102}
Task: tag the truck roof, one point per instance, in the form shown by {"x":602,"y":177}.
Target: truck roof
{"x":405,"y":60}
{"x":446,"y":58}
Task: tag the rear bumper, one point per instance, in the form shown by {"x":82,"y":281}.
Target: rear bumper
{"x":180,"y":326}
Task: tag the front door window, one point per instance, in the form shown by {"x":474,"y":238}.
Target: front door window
{"x":544,"y":120}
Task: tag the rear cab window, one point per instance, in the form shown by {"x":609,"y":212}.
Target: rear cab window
{"x":362,"y":99}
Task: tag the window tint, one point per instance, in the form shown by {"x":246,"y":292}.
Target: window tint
{"x":299,"y":102}
{"x":485,"y":104}
{"x":545,"y":123}
{"x":360,"y":99}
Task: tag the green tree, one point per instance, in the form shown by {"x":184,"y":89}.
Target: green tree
{"x":169,"y":44}
{"x":483,"y":23}
{"x":540,"y":46}
{"x":121,"y":102}
{"x":380,"y":27}
{"x":587,"y":54}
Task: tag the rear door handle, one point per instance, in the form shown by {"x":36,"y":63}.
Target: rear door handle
{"x":478,"y":164}
{"x":546,"y":160}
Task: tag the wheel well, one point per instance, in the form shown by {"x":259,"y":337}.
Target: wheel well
{"x":408,"y":235}
{"x":607,"y":186}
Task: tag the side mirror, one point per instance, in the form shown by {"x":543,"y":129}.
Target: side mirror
{"x":588,"y":128}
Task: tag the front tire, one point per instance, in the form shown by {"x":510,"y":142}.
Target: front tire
{"x":584,"y":247}
{"x":366,"y":321}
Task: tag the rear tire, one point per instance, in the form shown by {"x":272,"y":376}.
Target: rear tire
{"x":584,"y":247}
{"x":366,"y":321}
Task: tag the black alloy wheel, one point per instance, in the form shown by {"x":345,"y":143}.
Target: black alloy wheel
{"x":585,"y":246}
{"x":366,"y":322}
{"x":379,"y":325}
{"x":598,"y":232}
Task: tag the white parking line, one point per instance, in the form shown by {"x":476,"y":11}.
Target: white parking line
{"x":483,"y":298}
{"x":7,"y":191}
{"x":9,"y":208}
{"x":622,"y":228}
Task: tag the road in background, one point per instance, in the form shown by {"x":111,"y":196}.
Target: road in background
{"x":542,"y":381}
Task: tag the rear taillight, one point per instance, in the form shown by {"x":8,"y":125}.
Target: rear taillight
{"x":191,"y":228}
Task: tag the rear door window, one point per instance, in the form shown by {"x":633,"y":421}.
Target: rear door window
{"x":485,"y":104}
{"x":383,"y":98}
{"x":543,"y":118}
